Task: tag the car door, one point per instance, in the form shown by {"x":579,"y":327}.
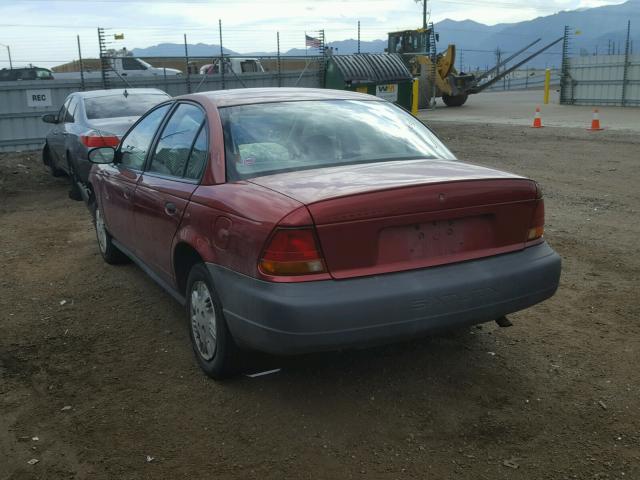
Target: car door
{"x":119,"y":180}
{"x":67,"y":130}
{"x":56,"y":138}
{"x":173,"y":172}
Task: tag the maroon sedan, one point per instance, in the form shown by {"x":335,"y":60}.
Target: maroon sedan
{"x":296,"y":220}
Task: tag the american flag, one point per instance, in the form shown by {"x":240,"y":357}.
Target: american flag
{"x":312,"y":42}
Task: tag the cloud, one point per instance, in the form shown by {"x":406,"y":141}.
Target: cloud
{"x":247,"y":25}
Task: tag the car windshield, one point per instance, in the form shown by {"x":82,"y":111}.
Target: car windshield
{"x":268,"y":138}
{"x":112,"y":106}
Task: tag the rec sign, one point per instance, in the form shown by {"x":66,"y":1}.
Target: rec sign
{"x":38,"y":98}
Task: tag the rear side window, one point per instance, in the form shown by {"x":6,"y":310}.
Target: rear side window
{"x":129,"y":63}
{"x":71,"y":110}
{"x":43,"y":74}
{"x":176,"y":141}
{"x":249,"y":66}
{"x":199,"y":155}
{"x":62,"y":114}
{"x":134,"y":147}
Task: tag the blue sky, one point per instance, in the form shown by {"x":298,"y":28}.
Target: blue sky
{"x":44,"y":31}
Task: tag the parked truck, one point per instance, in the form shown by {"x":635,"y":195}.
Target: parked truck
{"x":233,"y":65}
{"x":125,"y":66}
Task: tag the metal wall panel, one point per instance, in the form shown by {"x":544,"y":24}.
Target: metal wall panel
{"x":598,"y":80}
{"x":21,"y":127}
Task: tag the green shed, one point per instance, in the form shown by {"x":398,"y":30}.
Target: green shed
{"x":381,"y":74}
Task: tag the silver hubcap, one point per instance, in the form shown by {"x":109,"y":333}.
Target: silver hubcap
{"x":101,"y":231}
{"x":203,"y":320}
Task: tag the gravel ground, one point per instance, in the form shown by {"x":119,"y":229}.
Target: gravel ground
{"x":97,"y":379}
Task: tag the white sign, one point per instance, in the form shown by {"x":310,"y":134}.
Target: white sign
{"x":38,"y":98}
{"x":388,"y":92}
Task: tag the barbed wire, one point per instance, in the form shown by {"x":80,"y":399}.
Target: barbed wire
{"x":61,"y":42}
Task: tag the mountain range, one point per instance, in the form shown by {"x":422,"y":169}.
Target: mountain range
{"x":594,"y":30}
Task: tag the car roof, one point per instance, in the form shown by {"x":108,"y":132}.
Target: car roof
{"x":246,"y":96}
{"x":119,"y":91}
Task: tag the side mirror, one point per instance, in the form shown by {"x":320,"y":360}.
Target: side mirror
{"x":50,"y":118}
{"x":102,"y":155}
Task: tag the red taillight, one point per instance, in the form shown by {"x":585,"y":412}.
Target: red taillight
{"x":292,"y":251}
{"x":95,"y":139}
{"x":536,"y":227}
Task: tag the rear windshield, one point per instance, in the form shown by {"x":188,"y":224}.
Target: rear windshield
{"x":112,"y":106}
{"x":263,"y":139}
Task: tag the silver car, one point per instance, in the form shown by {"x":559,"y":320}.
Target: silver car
{"x":91,"y":119}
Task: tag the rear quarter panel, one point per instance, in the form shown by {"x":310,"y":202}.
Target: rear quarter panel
{"x":228,"y":224}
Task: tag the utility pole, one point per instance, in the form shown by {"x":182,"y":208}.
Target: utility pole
{"x":498,"y":56}
{"x":424,"y":13}
{"x":358,"y":36}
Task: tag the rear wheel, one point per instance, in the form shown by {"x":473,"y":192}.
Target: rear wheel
{"x":214,"y":348}
{"x":47,"y":159}
{"x":108,"y":250}
{"x":74,"y":191}
{"x":454,"y":100}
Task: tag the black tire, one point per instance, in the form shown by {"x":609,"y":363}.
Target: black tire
{"x":74,"y":189}
{"x":455,"y":100}
{"x":47,"y":159}
{"x":222,"y":358}
{"x":108,"y":250}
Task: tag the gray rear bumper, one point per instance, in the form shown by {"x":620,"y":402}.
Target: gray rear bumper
{"x":330,"y":314}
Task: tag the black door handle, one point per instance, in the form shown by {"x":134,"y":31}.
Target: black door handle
{"x":170,"y":208}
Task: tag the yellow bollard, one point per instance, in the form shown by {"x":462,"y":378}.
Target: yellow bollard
{"x":547,"y":84}
{"x":414,"y":98}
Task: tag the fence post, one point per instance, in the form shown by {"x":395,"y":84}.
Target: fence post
{"x":221,"y":54}
{"x":105,"y":63}
{"x":278,"y":64}
{"x":322,"y":59}
{"x":625,"y":74}
{"x":565,"y":78}
{"x":81,"y":66}
{"x":186,"y":61}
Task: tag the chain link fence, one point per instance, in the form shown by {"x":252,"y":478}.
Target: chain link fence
{"x":612,"y":79}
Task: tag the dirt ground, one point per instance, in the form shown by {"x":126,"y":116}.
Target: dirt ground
{"x":95,"y":360}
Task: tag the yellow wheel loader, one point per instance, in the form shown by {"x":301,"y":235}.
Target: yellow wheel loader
{"x":438,"y":77}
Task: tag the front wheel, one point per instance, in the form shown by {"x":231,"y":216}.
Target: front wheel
{"x":454,"y":100}
{"x":108,"y":250}
{"x":214,"y":348}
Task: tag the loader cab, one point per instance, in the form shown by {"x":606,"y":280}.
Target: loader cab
{"x":409,"y":41}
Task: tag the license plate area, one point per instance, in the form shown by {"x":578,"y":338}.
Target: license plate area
{"x":437,"y":238}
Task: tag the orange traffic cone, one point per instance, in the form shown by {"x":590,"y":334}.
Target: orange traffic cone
{"x":537,"y":120}
{"x":595,"y":121}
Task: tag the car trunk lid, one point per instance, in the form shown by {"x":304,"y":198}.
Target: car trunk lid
{"x":394,"y":216}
